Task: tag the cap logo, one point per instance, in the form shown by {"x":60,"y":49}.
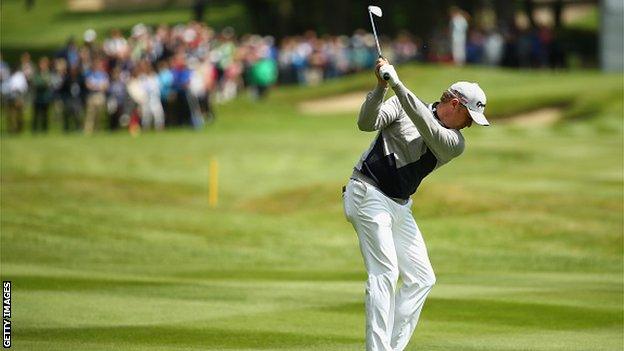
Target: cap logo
{"x":480,"y":104}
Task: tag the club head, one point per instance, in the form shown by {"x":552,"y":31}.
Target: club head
{"x":375,"y":10}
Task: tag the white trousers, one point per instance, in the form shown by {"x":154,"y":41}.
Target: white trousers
{"x":392,"y":246}
{"x":152,"y":110}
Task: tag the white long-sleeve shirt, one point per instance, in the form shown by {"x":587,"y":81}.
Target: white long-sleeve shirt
{"x":411,"y":142}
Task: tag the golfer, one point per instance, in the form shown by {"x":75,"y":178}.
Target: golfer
{"x":413,"y":139}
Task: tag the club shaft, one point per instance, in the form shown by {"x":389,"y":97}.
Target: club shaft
{"x":375,"y":33}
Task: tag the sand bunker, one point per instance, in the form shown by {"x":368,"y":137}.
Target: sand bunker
{"x":345,"y":103}
{"x":351,"y":103}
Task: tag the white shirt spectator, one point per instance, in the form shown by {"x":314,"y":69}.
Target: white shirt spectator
{"x":17,"y":85}
{"x":493,"y":48}
{"x":115,"y":46}
{"x":459,"y":27}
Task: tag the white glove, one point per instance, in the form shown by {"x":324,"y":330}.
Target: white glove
{"x":388,"y":71}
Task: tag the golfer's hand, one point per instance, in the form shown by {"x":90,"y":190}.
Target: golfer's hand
{"x":380,"y":62}
{"x":390,"y":72}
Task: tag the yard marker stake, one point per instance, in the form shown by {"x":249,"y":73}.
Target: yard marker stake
{"x":213,"y":183}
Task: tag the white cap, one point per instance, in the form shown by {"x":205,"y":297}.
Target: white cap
{"x":472,"y":96}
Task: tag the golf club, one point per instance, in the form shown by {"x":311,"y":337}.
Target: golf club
{"x":376,"y":10}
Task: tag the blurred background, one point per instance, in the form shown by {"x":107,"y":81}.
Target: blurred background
{"x":151,"y":64}
{"x":171,"y":172}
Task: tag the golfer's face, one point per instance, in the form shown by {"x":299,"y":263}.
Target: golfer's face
{"x":459,"y":116}
{"x":465,"y":119}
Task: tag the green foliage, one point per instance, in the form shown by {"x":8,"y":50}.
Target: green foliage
{"x":588,"y":22}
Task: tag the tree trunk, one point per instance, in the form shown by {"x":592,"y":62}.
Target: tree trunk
{"x":557,"y":8}
{"x":529,"y":6}
{"x":505,"y":11}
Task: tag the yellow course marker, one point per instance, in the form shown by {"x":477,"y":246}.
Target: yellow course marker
{"x":213,"y":183}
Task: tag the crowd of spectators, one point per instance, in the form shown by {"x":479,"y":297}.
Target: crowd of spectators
{"x":309,"y":59}
{"x":149,"y":80}
{"x":519,"y":45}
{"x":172,"y":76}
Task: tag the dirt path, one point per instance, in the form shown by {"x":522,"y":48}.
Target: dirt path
{"x":542,"y":117}
{"x":345,"y":103}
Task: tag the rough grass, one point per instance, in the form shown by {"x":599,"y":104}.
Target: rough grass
{"x":45,"y":28}
{"x":110,"y":242}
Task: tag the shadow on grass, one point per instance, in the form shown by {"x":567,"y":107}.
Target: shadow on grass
{"x":276,"y":275}
{"x":207,"y":339}
{"x":36,"y":282}
{"x":99,"y":189}
{"x":197,"y":289}
{"x":516,"y":314}
{"x":313,"y":197}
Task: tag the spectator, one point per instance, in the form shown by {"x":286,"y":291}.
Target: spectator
{"x":5,"y":71}
{"x":152,"y":114}
{"x":5,"y":75}
{"x":42,"y":85}
{"x":510,"y":49}
{"x":405,"y":48}
{"x":117,"y":99}
{"x":361,"y":44}
{"x":224,"y":50}
{"x":202,"y":82}
{"x":458,"y":29}
{"x":57,"y":75}
{"x":230,"y":82}
{"x":86,"y":59}
{"x":493,"y":48}
{"x":545,"y":38}
{"x":97,"y":83}
{"x":337,"y":56}
{"x":70,"y":53}
{"x":16,"y":96}
{"x":73,"y":94}
{"x":89,"y":37}
{"x":27,"y":67}
{"x":475,"y":46}
{"x":165,"y":85}
{"x":525,"y":45}
{"x":115,"y":46}
{"x":317,"y":64}
{"x":181,"y":81}
{"x":263,"y":75}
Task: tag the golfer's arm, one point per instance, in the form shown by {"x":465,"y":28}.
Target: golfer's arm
{"x":445,"y":143}
{"x":375,"y":114}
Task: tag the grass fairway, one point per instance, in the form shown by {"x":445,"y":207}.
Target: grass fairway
{"x":111,"y":245}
